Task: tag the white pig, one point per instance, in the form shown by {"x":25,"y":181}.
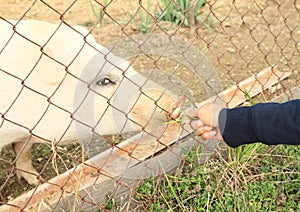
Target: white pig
{"x":57,"y":84}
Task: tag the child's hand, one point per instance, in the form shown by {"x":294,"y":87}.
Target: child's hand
{"x":207,"y":125}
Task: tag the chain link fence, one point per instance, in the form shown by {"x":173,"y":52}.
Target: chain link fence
{"x":93,"y":92}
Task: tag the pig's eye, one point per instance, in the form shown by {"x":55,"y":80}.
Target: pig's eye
{"x":105,"y":81}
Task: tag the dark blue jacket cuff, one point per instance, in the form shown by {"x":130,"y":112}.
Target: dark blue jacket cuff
{"x":269,"y":123}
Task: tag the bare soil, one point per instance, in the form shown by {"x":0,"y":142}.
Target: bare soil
{"x":243,"y":38}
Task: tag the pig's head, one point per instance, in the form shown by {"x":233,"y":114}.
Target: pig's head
{"x":113,"y":98}
{"x":101,"y":91}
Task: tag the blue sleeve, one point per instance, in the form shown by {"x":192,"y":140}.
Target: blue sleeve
{"x":269,"y":123}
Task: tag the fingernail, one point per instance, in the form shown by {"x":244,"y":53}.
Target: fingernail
{"x":199,"y":123}
{"x":208,"y":128}
{"x":212,"y":133}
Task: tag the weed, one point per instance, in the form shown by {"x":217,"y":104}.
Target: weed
{"x":178,"y":120}
{"x":184,"y":12}
{"x":144,"y":17}
{"x":269,"y":183}
{"x":98,"y":11}
{"x":249,"y":97}
{"x":110,"y":202}
{"x":245,"y":153}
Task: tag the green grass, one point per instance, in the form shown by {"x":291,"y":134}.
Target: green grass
{"x":253,"y":177}
{"x":185,"y":12}
{"x":180,"y":12}
{"x":98,"y":10}
{"x":143,"y":20}
{"x":268,"y":180}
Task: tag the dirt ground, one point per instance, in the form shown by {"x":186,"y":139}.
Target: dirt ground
{"x":243,"y":38}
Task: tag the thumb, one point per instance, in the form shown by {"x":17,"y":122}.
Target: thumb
{"x":192,"y":113}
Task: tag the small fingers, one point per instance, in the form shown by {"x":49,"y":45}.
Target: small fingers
{"x":192,"y":113}
{"x":203,"y":129}
{"x":208,"y":135}
{"x":196,"y":124}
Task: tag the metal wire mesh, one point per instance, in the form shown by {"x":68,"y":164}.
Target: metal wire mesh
{"x":58,"y":83}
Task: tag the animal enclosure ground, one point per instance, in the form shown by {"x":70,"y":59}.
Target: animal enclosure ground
{"x":244,"y":38}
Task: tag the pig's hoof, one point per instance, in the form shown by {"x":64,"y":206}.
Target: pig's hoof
{"x":30,"y":176}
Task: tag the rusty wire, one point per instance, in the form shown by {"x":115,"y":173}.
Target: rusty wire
{"x":238,"y":39}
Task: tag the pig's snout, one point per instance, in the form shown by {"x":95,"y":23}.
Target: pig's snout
{"x":154,"y":107}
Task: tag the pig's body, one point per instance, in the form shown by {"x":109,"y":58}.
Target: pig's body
{"x":57,"y":87}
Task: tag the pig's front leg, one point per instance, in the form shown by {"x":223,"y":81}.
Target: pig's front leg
{"x":23,"y":163}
